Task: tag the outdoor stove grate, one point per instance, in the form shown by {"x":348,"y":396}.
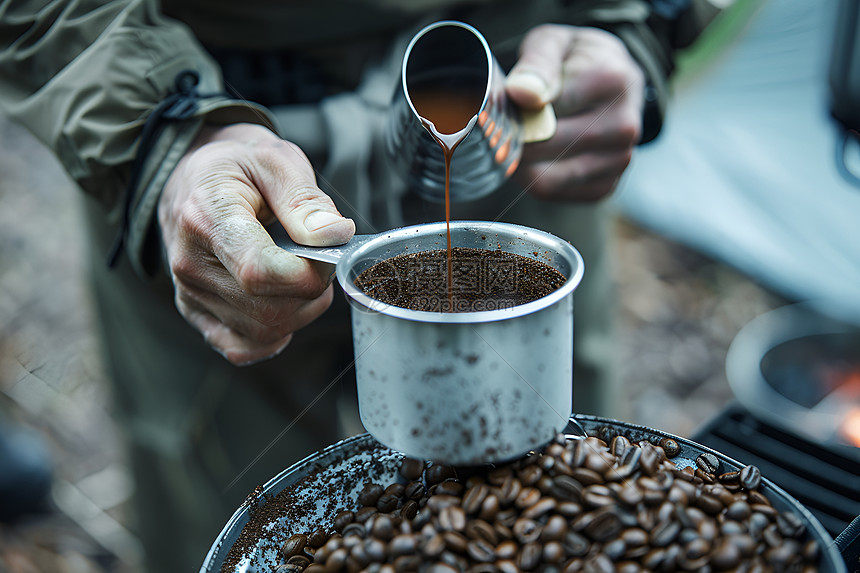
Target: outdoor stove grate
{"x":825,"y":479}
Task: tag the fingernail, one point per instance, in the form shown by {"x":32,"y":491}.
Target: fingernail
{"x":529,"y":81}
{"x":319,"y":219}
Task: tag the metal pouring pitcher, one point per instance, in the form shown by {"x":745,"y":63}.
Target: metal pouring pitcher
{"x":447,"y":58}
{"x":462,"y":388}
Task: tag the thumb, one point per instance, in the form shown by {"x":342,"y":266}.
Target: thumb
{"x":536,"y":79}
{"x":308,"y":215}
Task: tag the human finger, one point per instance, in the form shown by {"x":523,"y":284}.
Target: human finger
{"x":586,"y":177}
{"x":237,"y":349}
{"x":536,"y":78}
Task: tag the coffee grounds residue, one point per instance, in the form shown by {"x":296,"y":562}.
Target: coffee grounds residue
{"x":482,"y":280}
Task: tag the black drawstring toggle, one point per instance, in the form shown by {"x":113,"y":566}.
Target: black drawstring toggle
{"x":180,"y":104}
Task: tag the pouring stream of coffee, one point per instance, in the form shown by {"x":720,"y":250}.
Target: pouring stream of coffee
{"x":448,"y":115}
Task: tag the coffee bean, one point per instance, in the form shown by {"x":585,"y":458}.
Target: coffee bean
{"x":750,"y":477}
{"x":575,"y":544}
{"x":530,"y":475}
{"x":414,"y":490}
{"x":709,"y":504}
{"x":449,"y":487}
{"x":766,"y":510}
{"x":481,"y":550}
{"x":369,"y":494}
{"x":630,"y":495}
{"x":604,"y":526}
{"x":671,"y":447}
{"x":526,"y":530}
{"x":383,"y":527}
{"x":318,"y":538}
{"x":527,"y":497}
{"x":738,"y":511}
{"x":649,"y":459}
{"x":507,"y":517}
{"x":405,"y":563}
{"x":596,"y":495}
{"x":411,"y":469}
{"x":489,"y":508}
{"x":403,"y":544}
{"x":507,"y":550}
{"x":784,"y":557}
{"x":554,"y":529}
{"x":745,"y":543}
{"x":545,"y":505}
{"x":503,"y":531}
{"x":479,"y":529}
{"x":343,"y":519}
{"x":810,"y":551}
{"x":627,"y":567}
{"x":497,"y":476}
{"x":599,"y":563}
{"x":665,"y":533}
{"x":474,"y":497}
{"x":587,"y":476}
{"x":708,"y":462}
{"x":729,"y":477}
{"x":409,"y":510}
{"x":707,"y":530}
{"x":725,"y":555}
{"x":509,"y":490}
{"x":452,"y":518}
{"x":434,"y":546}
{"x":441,"y":568}
{"x":619,"y":445}
{"x":387,"y":503}
{"x":529,"y":556}
{"x":437,"y":503}
{"x":354,"y":529}
{"x":299,"y":561}
{"x":553,"y":553}
{"x":376,"y":550}
{"x":771,"y":535}
{"x":437,"y":473}
{"x":294,"y":545}
{"x":455,"y":541}
{"x":507,"y":566}
{"x":696,"y":549}
{"x":790,"y":525}
{"x":568,"y":509}
{"x":631,"y":459}
{"x":755,"y":497}
{"x":337,"y":559}
{"x":566,"y":488}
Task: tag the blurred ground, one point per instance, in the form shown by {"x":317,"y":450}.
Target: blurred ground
{"x":679,"y":311}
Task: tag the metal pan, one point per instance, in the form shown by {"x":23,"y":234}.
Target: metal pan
{"x":315,"y":489}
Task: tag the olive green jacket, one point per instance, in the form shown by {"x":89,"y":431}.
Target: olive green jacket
{"x":84,"y":75}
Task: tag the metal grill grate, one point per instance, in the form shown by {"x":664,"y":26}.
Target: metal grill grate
{"x":825,"y":479}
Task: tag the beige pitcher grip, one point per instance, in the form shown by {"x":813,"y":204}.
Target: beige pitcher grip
{"x":539,"y":124}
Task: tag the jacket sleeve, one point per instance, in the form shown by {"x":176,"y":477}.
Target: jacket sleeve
{"x":84,"y":75}
{"x":653,"y":31}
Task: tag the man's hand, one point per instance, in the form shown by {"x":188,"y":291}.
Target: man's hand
{"x":597,"y":90}
{"x":246,"y":295}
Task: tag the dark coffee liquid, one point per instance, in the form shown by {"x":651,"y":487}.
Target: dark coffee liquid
{"x":480,"y":280}
{"x":446,"y":111}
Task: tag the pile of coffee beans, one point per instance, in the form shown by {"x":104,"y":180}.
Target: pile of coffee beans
{"x":579,"y":505}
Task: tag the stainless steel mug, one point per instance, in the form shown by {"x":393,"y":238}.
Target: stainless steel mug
{"x":453,"y":56}
{"x":461,"y":388}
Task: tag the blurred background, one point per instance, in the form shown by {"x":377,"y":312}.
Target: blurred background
{"x":738,"y":209}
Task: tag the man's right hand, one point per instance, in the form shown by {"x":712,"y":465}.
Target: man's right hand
{"x":233,"y":284}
